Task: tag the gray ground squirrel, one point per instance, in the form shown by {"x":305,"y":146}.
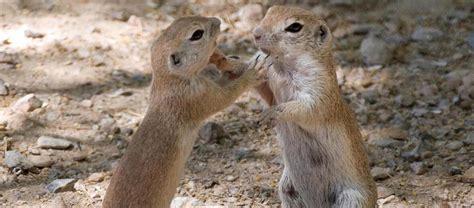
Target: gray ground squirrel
{"x":181,"y":98}
{"x":325,"y":161}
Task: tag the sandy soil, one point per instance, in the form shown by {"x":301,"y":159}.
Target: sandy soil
{"x":90,"y":70}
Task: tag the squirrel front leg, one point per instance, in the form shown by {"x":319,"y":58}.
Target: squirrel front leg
{"x":292,"y":111}
{"x":230,"y":67}
{"x":223,"y":94}
{"x":235,"y":68}
{"x":265,"y":93}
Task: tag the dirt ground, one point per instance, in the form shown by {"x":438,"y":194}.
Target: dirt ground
{"x":406,"y":69}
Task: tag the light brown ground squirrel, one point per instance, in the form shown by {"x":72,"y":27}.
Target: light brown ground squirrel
{"x":324,"y":157}
{"x":181,"y":98}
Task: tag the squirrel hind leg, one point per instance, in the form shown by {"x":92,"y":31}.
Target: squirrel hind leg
{"x":350,"y":198}
{"x":289,"y":197}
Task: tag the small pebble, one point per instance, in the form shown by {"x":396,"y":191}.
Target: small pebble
{"x":34,"y":35}
{"x":231,"y":178}
{"x":455,"y":171}
{"x":86,"y":103}
{"x":47,"y":142}
{"x":418,"y":168}
{"x":379,"y":173}
{"x":61,"y":185}
{"x":454,"y":145}
{"x":41,"y":161}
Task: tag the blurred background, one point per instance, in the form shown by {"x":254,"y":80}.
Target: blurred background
{"x":74,"y":79}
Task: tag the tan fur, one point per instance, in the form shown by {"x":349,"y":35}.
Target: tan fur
{"x":325,"y":160}
{"x":181,"y":99}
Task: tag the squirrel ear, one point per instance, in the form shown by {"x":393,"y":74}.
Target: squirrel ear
{"x":175,"y":60}
{"x":322,"y":32}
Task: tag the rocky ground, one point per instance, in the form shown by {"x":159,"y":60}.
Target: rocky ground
{"x":73,"y":89}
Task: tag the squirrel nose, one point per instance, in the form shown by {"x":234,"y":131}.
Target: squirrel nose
{"x":257,"y":33}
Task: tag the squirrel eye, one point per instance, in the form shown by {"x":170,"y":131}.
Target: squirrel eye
{"x":294,"y":28}
{"x":197,"y":35}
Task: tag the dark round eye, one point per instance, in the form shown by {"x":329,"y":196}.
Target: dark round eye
{"x":197,"y":35}
{"x":294,"y":28}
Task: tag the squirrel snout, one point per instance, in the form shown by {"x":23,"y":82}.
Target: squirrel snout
{"x":257,"y":33}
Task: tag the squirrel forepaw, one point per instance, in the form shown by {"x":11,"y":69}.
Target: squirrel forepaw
{"x":259,"y":66}
{"x":271,"y":115}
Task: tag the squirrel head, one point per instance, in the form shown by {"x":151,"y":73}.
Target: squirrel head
{"x":184,"y":48}
{"x":292,"y":30}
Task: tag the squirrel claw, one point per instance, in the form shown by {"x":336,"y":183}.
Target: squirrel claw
{"x":269,"y":116}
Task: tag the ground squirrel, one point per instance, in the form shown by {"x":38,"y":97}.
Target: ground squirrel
{"x":324,"y":157}
{"x":181,"y":98}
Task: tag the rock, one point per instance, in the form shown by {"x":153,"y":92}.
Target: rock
{"x":426,"y":34}
{"x":58,"y":202}
{"x":379,"y":173}
{"x":426,"y":154}
{"x":6,"y":58}
{"x":41,"y":161}
{"x":453,"y":170}
{"x":242,"y":152}
{"x":249,"y":16}
{"x":370,"y":96}
{"x":385,"y":142}
{"x":121,"y":92}
{"x":98,"y":60}
{"x":458,"y":15}
{"x":362,"y":29}
{"x":81,"y":156}
{"x":184,"y":202}
{"x":61,"y":185}
{"x":321,"y":11}
{"x":470,"y":39}
{"x":468,"y":80}
{"x":83,"y":53}
{"x":212,"y":132}
{"x":427,"y":64}
{"x":34,"y":151}
{"x":411,"y":156}
{"x":375,"y":51}
{"x":26,"y":103}
{"x":47,"y":142}
{"x":469,"y":174}
{"x":405,"y":100}
{"x":107,"y":124}
{"x":126,"y":131}
{"x":418,"y":168}
{"x":251,"y":13}
{"x":384,"y":192}
{"x":342,"y":2}
{"x":469,"y":139}
{"x":14,"y":159}
{"x":120,"y":15}
{"x":34,"y":35}
{"x":53,"y":116}
{"x":96,"y":177}
{"x":3,"y":88}
{"x":86,"y":103}
{"x":395,"y":40}
{"x":15,"y":120}
{"x":388,"y":137}
{"x":231,"y":178}
{"x":394,"y":133}
{"x":419,"y":111}
{"x":454,"y":145}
